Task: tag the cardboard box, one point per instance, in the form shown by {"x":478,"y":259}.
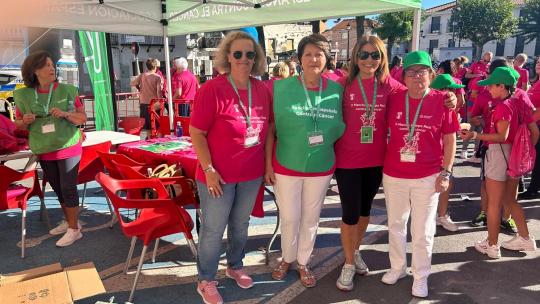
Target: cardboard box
{"x":51,"y":285}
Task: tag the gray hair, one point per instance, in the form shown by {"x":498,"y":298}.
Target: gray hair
{"x":522,"y":57}
{"x":221,"y":62}
{"x":181,"y":63}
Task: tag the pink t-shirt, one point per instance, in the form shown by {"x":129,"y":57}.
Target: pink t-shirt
{"x":187,"y":82}
{"x":435,"y":120}
{"x":484,"y":106}
{"x":217,"y":111}
{"x":508,"y":109}
{"x":397,"y":73}
{"x":534,"y":94}
{"x":350,"y":153}
{"x":523,"y":77}
{"x":331,"y":75}
{"x":62,"y":153}
{"x":478,"y":67}
{"x":460,"y":73}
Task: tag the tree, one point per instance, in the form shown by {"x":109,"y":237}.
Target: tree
{"x":360,"y":26}
{"x":481,"y":21}
{"x":394,"y":27}
{"x":529,"y":22}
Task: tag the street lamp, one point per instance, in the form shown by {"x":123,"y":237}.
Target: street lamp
{"x":348,"y":30}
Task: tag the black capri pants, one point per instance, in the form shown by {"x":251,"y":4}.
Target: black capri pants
{"x":357,"y":188}
{"x":62,"y":176}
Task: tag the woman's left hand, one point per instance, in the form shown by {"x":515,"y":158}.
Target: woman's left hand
{"x":57,"y":113}
{"x":441,"y":184}
{"x":451,"y":100}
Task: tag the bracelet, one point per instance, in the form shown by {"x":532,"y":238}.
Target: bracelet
{"x":209,"y":168}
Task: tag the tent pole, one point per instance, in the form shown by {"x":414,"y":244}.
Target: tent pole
{"x":416,"y":30}
{"x":168,"y":75}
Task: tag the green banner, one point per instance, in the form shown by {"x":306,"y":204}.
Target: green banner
{"x":94,"y":49}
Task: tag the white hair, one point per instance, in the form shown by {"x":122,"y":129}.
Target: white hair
{"x":181,"y":63}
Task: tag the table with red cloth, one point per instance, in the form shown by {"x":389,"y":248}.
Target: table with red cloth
{"x":154,"y":152}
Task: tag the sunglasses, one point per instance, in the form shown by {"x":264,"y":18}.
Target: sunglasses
{"x":249,"y":54}
{"x":363,"y":55}
{"x":414,"y":73}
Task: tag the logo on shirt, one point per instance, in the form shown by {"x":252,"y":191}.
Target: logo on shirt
{"x":236,"y":108}
{"x":398,"y":115}
{"x":352,"y":95}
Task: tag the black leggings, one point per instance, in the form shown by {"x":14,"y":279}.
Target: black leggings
{"x":357,"y":188}
{"x":62,"y":175}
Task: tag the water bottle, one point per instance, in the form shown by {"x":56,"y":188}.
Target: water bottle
{"x":179,"y":130}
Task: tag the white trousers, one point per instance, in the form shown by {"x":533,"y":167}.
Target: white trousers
{"x":417,"y":198}
{"x":300,"y":200}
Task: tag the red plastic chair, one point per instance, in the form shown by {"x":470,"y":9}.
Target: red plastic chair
{"x":132,"y":125}
{"x":108,"y":158}
{"x":158,"y":217}
{"x":16,"y":196}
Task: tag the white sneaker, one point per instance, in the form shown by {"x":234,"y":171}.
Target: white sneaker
{"x":520,"y":244}
{"x":392,"y":276}
{"x":62,"y":228}
{"x":420,"y":288}
{"x":361,"y":267}
{"x":447,"y":223}
{"x":492,"y":251}
{"x":464,"y":154}
{"x":69,"y":237}
{"x":345,"y":280}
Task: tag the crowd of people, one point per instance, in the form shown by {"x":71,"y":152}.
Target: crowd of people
{"x":366,"y":124}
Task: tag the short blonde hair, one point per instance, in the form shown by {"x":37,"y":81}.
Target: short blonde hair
{"x":221,"y":62}
{"x":281,"y":69}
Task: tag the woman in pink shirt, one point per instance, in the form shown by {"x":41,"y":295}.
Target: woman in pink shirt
{"x":396,"y":68}
{"x":534,"y":95}
{"x":500,"y":187}
{"x":417,"y":167}
{"x":228,"y":129}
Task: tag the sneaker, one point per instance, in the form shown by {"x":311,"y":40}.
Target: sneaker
{"x":464,"y":154}
{"x":447,"y":223}
{"x":70,"y":237}
{"x":62,"y":228}
{"x":479,"y":220}
{"x":241,"y":278}
{"x":492,"y":251}
{"x":509,"y":225}
{"x":420,"y":288}
{"x":518,"y":243}
{"x":209,"y":292}
{"x":528,"y":195}
{"x":345,"y":280}
{"x":392,"y":276}
{"x":361,"y":267}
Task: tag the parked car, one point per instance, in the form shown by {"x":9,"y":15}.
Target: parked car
{"x":10,"y":80}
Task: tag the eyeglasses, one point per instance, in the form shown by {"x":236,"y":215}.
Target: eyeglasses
{"x":363,"y":55}
{"x":249,"y":54}
{"x":414,"y":73}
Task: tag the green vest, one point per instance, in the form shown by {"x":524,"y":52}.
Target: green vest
{"x":65,"y":133}
{"x":294,"y":122}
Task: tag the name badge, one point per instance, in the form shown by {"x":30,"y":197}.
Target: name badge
{"x":315,"y":138}
{"x":366,"y":134}
{"x":47,"y":128}
{"x":252,"y":138}
{"x":408,"y":157}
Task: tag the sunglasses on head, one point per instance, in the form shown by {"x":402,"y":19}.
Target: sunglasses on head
{"x":363,"y":55}
{"x":249,"y":54}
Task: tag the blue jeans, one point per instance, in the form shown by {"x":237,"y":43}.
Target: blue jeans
{"x":232,"y":209}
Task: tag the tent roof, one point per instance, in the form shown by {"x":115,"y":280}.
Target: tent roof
{"x":184,"y":16}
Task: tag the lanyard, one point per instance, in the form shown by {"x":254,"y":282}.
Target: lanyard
{"x":413,"y":126}
{"x":248,"y":111}
{"x":314,"y":110}
{"x":46,"y":106}
{"x":369,"y":111}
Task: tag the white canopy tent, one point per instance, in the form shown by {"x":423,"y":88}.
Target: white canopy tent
{"x":178,"y":17}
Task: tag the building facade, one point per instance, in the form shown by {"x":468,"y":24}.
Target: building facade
{"x":343,"y":35}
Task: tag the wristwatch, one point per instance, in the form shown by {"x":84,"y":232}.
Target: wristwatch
{"x":445,"y":173}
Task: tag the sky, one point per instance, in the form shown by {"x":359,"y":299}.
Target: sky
{"x":425,"y":5}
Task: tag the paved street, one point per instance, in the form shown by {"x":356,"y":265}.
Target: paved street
{"x":460,"y":274}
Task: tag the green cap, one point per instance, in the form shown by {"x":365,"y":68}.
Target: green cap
{"x":445,"y":81}
{"x":501,"y":75}
{"x":417,"y":58}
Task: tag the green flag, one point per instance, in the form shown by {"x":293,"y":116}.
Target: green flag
{"x":95,"y":55}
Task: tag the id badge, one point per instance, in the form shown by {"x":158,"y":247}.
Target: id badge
{"x":252,"y":138}
{"x":366,"y":135}
{"x":47,"y":128}
{"x":408,"y":157}
{"x":315,"y":138}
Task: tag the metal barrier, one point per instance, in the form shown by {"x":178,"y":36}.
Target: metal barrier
{"x":127,"y":104}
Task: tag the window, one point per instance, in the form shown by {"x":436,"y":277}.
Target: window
{"x":290,"y":44}
{"x":344,"y":35}
{"x":537,"y":47}
{"x":451,"y":43}
{"x":520,"y":40}
{"x":435,"y":24}
{"x":433,"y":44}
{"x":344,"y":54}
{"x":499,"y":51}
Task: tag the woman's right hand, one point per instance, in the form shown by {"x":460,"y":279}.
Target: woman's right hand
{"x":28,"y":118}
{"x":213,"y":183}
{"x":269,"y":176}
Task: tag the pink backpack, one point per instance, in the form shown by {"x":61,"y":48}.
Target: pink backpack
{"x":523,"y":153}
